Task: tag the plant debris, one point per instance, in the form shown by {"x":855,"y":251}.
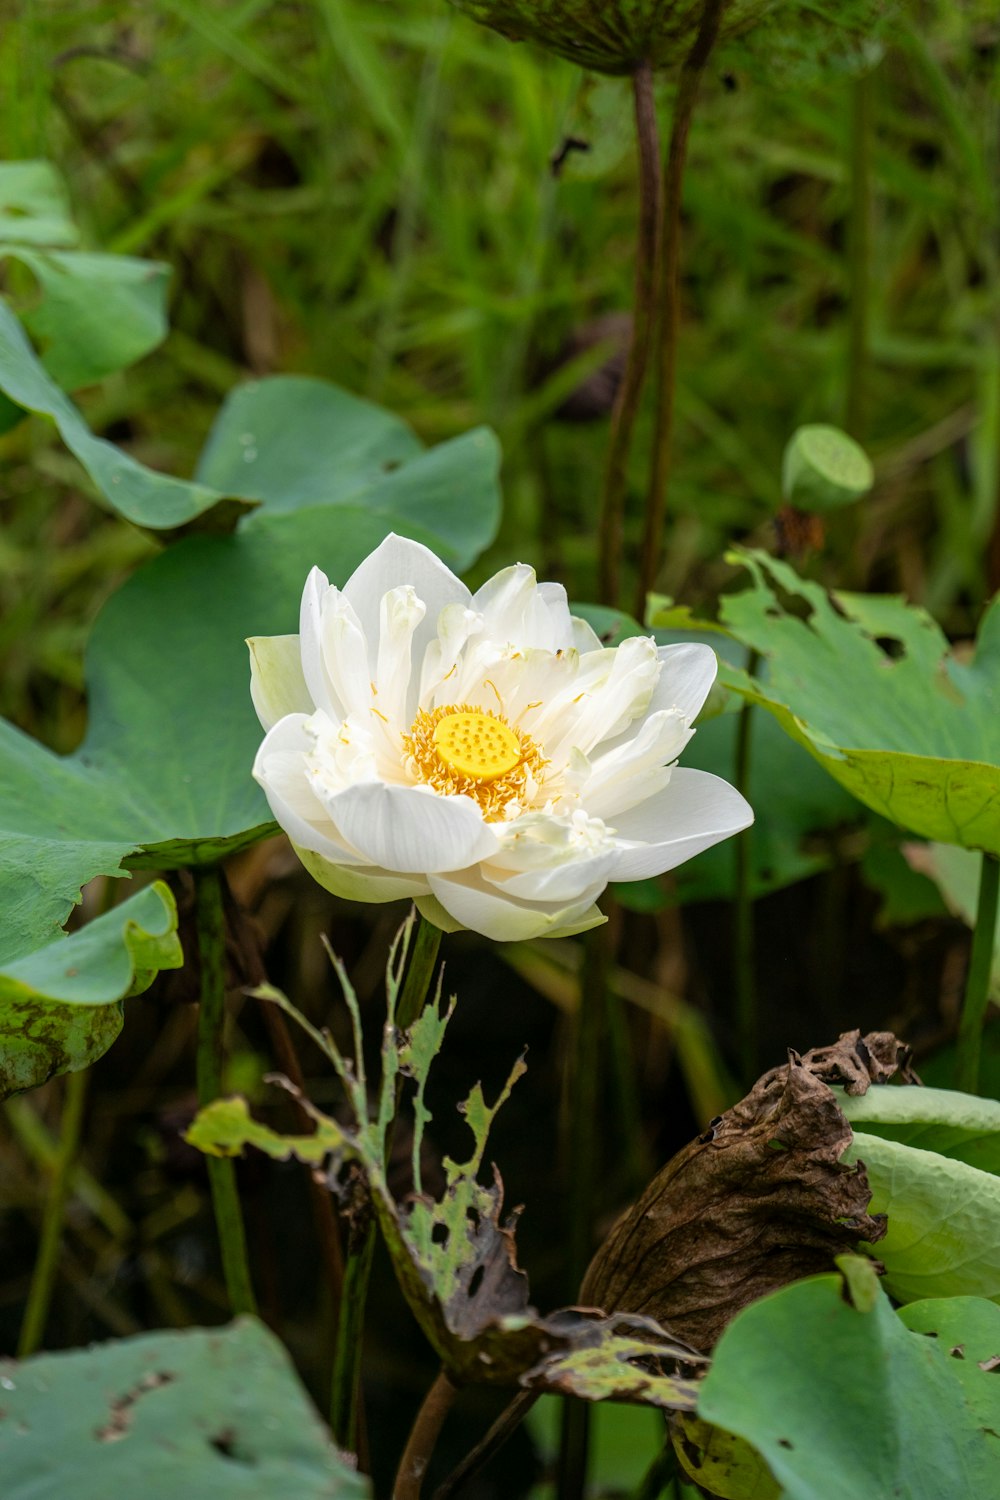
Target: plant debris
{"x":760,"y":1199}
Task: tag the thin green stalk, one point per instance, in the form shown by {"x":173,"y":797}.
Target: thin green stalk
{"x":977,"y":987}
{"x":346,"y":1399}
{"x":747,"y":1009}
{"x":584,"y":1137}
{"x":211,"y":1021}
{"x":643,"y":324}
{"x":670,"y":298}
{"x":43,"y":1277}
{"x":859,"y":251}
{"x":661,"y":1473}
{"x":345,"y":1404}
{"x":424,"y":948}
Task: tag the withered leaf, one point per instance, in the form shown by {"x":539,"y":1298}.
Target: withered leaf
{"x":455,"y":1256}
{"x":759,"y":1200}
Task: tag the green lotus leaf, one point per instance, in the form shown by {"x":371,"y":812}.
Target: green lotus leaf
{"x":294,"y":442}
{"x":960,"y":1126}
{"x":913,"y":731}
{"x":91,"y":314}
{"x":34,"y":206}
{"x":217,"y":1413}
{"x":290,"y":442}
{"x":96,"y":313}
{"x":969,"y":1328}
{"x":141,"y":495}
{"x":943,"y":1235}
{"x":843,"y":1399}
{"x":61,"y":1006}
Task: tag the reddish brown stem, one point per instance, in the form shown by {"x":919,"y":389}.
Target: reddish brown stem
{"x":423,"y":1436}
{"x":504,"y":1427}
{"x":669,"y":297}
{"x":643,"y":323}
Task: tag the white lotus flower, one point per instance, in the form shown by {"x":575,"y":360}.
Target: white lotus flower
{"x":482,"y":753}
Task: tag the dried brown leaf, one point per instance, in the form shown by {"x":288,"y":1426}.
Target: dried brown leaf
{"x":759,"y":1200}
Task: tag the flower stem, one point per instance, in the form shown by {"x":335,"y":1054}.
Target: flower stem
{"x":504,"y":1427}
{"x":345,"y":1404}
{"x":859,"y":256}
{"x":585,"y":1086}
{"x":660,"y":1473}
{"x":423,"y":1436}
{"x":211,"y":1021}
{"x":977,"y":988}
{"x":43,"y":1277}
{"x":424,"y":947}
{"x":643,"y":323}
{"x":669,"y":297}
{"x":744,"y":939}
{"x":346,"y":1397}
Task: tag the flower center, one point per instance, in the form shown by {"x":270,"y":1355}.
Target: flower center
{"x":463,"y":751}
{"x":476,"y":744}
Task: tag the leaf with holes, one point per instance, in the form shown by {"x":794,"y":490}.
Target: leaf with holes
{"x":969,"y":1329}
{"x":913,"y":732}
{"x":217,"y":1413}
{"x":455,"y":1258}
{"x":722,"y":1465}
{"x":843,"y":1399}
{"x":61,"y":1006}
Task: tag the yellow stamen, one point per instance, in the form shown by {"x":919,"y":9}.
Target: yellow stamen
{"x":462,"y":750}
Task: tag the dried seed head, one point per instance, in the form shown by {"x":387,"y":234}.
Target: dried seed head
{"x":612,"y":38}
